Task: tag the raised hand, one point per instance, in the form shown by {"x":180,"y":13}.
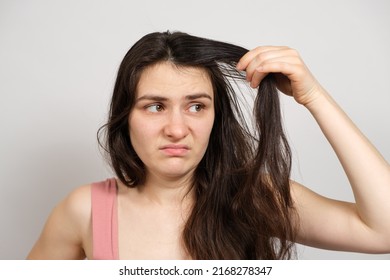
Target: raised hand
{"x":291,"y":74}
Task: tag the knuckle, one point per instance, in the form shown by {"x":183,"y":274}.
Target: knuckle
{"x":261,"y":57}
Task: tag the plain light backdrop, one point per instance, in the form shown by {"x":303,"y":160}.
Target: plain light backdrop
{"x":58,"y":61}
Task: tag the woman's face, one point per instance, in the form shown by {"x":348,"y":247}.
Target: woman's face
{"x":172,"y":119}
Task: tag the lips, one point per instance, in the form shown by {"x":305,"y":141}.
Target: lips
{"x":175,"y":149}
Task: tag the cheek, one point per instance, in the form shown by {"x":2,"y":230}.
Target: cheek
{"x":204,"y":129}
{"x":140,"y":131}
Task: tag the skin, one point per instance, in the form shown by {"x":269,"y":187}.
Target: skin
{"x":164,"y":202}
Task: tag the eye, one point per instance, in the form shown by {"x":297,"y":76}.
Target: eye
{"x":155,"y":108}
{"x":196,"y":108}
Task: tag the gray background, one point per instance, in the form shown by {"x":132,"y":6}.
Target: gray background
{"x":58,"y":61}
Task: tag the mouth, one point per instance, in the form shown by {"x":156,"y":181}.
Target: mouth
{"x":175,"y":150}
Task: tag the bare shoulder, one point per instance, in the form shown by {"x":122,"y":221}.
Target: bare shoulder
{"x":75,"y":208}
{"x":67,"y":230}
{"x":78,"y":204}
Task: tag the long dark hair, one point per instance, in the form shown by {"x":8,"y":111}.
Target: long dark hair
{"x":243,"y":208}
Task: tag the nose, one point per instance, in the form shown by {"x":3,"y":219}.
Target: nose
{"x":176,"y":127}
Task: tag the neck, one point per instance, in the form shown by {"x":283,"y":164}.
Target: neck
{"x":167,"y":191}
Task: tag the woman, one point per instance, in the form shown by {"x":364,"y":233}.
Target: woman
{"x":193,"y":182}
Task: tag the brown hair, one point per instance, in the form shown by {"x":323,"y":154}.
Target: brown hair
{"x":243,"y":206}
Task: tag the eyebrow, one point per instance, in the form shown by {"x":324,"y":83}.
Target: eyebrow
{"x":161,"y":98}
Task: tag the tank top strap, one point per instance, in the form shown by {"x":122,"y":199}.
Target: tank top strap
{"x":104,"y":220}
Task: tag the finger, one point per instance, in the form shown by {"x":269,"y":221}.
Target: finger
{"x":282,"y":53}
{"x":291,"y":67}
{"x":250,"y":55}
{"x":257,"y":66}
{"x":257,"y":77}
{"x":287,"y":66}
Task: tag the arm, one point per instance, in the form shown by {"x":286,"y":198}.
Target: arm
{"x":64,"y":234}
{"x":363,"y":226}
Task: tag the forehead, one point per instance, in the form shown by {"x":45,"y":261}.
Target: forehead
{"x":167,"y":78}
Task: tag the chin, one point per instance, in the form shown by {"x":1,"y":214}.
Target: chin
{"x":178,"y":173}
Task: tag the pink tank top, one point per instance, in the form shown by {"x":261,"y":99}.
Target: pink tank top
{"x":105,"y":220}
